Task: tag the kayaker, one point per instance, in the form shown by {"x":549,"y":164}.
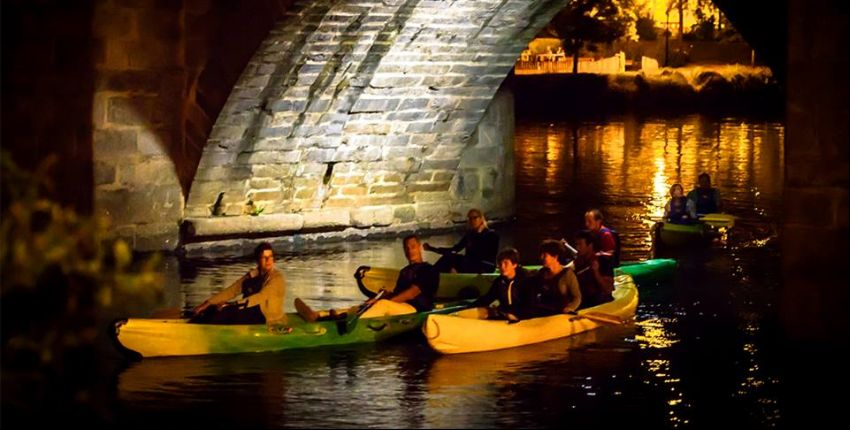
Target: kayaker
{"x":508,"y":288}
{"x":263,"y":290}
{"x":679,"y":209}
{"x":414,"y":290}
{"x":554,"y":288}
{"x":608,"y":241}
{"x":480,"y":245}
{"x":704,"y":197}
{"x":595,"y":275}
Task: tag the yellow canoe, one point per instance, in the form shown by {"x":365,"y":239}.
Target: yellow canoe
{"x":464,"y":331}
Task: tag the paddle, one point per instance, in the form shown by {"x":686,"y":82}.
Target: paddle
{"x":348,"y":324}
{"x":445,"y":252}
{"x":712,"y":219}
{"x":718,"y":219}
{"x":601,"y":318}
{"x":569,"y":248}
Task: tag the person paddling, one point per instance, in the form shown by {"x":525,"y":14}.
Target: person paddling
{"x":555,"y":289}
{"x":480,"y":245}
{"x":595,"y":275}
{"x":608,"y":240}
{"x":263,"y":290}
{"x":414,"y":291}
{"x":679,"y":209}
{"x":704,"y":197}
{"x":509,"y":288}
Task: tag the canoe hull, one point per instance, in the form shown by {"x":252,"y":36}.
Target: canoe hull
{"x":463,"y":331}
{"x":176,"y":337}
{"x":469,"y":285}
{"x":700,"y":233}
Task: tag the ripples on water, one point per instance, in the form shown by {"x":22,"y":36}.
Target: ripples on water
{"x":697,"y":355}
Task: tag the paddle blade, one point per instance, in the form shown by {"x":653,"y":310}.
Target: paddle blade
{"x":718,"y":220}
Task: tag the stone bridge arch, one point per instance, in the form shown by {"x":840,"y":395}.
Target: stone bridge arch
{"x":367,"y":114}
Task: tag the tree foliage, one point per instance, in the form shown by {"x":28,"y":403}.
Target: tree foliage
{"x":62,"y":278}
{"x":585,"y":24}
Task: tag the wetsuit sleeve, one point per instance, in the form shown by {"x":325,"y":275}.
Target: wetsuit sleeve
{"x":271,"y":298}
{"x":490,"y":297}
{"x":456,"y":248}
{"x":460,"y":245}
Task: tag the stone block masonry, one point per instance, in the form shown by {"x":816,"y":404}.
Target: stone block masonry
{"x":393,"y":105}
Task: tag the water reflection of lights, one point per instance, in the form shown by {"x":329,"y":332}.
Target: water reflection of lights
{"x":656,"y":336}
{"x":555,"y":139}
{"x":754,"y":384}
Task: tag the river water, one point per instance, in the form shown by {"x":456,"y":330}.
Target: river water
{"x":703,"y":350}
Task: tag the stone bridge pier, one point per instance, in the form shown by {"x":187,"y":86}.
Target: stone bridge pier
{"x":369,"y":114}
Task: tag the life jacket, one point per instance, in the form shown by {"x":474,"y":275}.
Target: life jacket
{"x":615,"y":256}
{"x":706,"y":200}
{"x":253,"y":285}
{"x":678,"y":208}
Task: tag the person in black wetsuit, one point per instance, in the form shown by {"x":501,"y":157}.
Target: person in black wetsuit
{"x":480,"y":245}
{"x":509,"y":289}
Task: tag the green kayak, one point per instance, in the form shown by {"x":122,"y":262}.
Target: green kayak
{"x":709,"y":227}
{"x":172,"y":337}
{"x":685,"y":234}
{"x":455,"y":286}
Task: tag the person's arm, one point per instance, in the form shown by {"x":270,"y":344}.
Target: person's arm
{"x":667,"y":209}
{"x":691,"y":207}
{"x":442,"y":250}
{"x":271,"y":298}
{"x":490,"y":297}
{"x":224,"y":295}
{"x":568,"y":285}
{"x":408,"y":294}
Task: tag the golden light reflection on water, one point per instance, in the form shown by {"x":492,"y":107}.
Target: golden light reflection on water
{"x":626,"y":168}
{"x":655,"y":335}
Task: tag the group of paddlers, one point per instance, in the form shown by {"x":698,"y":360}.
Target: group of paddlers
{"x":703,"y":199}
{"x":521,"y":294}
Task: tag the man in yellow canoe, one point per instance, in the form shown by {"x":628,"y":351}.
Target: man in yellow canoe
{"x":414,"y":290}
{"x":263,"y":290}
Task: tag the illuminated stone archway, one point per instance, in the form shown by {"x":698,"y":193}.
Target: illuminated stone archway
{"x":369,"y":114}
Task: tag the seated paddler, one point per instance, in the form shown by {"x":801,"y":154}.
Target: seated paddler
{"x":262,"y":292}
{"x":480,"y":245}
{"x":508,"y":289}
{"x":414,"y":291}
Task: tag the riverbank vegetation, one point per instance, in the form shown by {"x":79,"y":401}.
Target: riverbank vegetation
{"x":63,"y":280}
